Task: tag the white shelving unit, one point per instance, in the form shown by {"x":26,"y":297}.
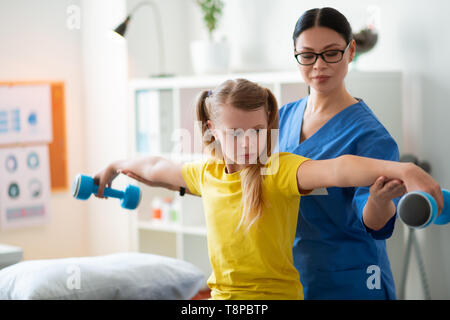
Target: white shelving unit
{"x":158,"y":107}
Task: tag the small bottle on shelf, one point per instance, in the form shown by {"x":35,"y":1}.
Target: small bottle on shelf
{"x":156,"y":210}
{"x":175,"y":211}
{"x":166,"y":208}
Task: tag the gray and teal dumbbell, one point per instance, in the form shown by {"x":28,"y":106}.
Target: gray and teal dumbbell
{"x":418,"y":209}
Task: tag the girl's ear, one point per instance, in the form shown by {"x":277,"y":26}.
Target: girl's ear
{"x":211,"y":128}
{"x":210,"y":125}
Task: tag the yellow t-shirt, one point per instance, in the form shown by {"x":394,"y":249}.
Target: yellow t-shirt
{"x":257,"y":264}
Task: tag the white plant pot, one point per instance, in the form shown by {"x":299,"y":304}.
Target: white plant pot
{"x":210,"y":57}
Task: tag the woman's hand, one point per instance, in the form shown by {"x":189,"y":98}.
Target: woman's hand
{"x":379,"y":207}
{"x":384,"y":190}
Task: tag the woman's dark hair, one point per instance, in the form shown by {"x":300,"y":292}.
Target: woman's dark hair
{"x":324,"y":17}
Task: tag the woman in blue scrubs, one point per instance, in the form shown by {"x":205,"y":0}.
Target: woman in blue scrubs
{"x":340,"y":248}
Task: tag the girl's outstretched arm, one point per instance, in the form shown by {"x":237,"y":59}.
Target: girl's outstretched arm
{"x":156,"y":184}
{"x":355,"y":171}
{"x":158,"y":170}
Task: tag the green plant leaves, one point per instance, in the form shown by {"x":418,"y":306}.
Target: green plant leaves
{"x":212,"y":11}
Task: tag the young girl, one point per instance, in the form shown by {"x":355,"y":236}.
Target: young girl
{"x":251,"y":197}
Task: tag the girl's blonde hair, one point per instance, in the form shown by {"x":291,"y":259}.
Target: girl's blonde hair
{"x":244,"y":95}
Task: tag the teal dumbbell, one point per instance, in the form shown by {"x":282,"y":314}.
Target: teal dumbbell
{"x":83,"y":186}
{"x":418,"y":209}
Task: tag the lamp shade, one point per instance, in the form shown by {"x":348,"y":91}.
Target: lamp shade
{"x":122,"y":28}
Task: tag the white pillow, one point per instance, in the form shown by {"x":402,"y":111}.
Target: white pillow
{"x":116,"y":276}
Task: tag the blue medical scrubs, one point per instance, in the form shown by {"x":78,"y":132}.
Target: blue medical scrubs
{"x":336,"y":255}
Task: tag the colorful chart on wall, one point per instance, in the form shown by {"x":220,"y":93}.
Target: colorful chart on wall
{"x":25,"y":187}
{"x":34,"y":113}
{"x":25,"y":114}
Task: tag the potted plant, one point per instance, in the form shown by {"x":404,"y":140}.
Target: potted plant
{"x":210,"y":56}
{"x":365,"y":41}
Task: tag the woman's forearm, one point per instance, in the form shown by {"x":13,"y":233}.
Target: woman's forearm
{"x":376,"y":214}
{"x":354,"y":171}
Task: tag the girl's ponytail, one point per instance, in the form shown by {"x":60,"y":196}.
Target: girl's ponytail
{"x":205,"y":113}
{"x":252,"y":202}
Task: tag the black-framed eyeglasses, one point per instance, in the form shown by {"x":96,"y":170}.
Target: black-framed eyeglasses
{"x":329,"y":56}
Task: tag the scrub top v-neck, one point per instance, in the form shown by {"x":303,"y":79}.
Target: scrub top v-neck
{"x":336,"y":255}
{"x":324,"y":127}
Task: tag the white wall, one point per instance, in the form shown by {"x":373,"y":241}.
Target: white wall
{"x":105,"y":77}
{"x":36,"y":45}
{"x":143,"y":42}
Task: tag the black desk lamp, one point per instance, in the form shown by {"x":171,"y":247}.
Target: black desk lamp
{"x":121,"y":29}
